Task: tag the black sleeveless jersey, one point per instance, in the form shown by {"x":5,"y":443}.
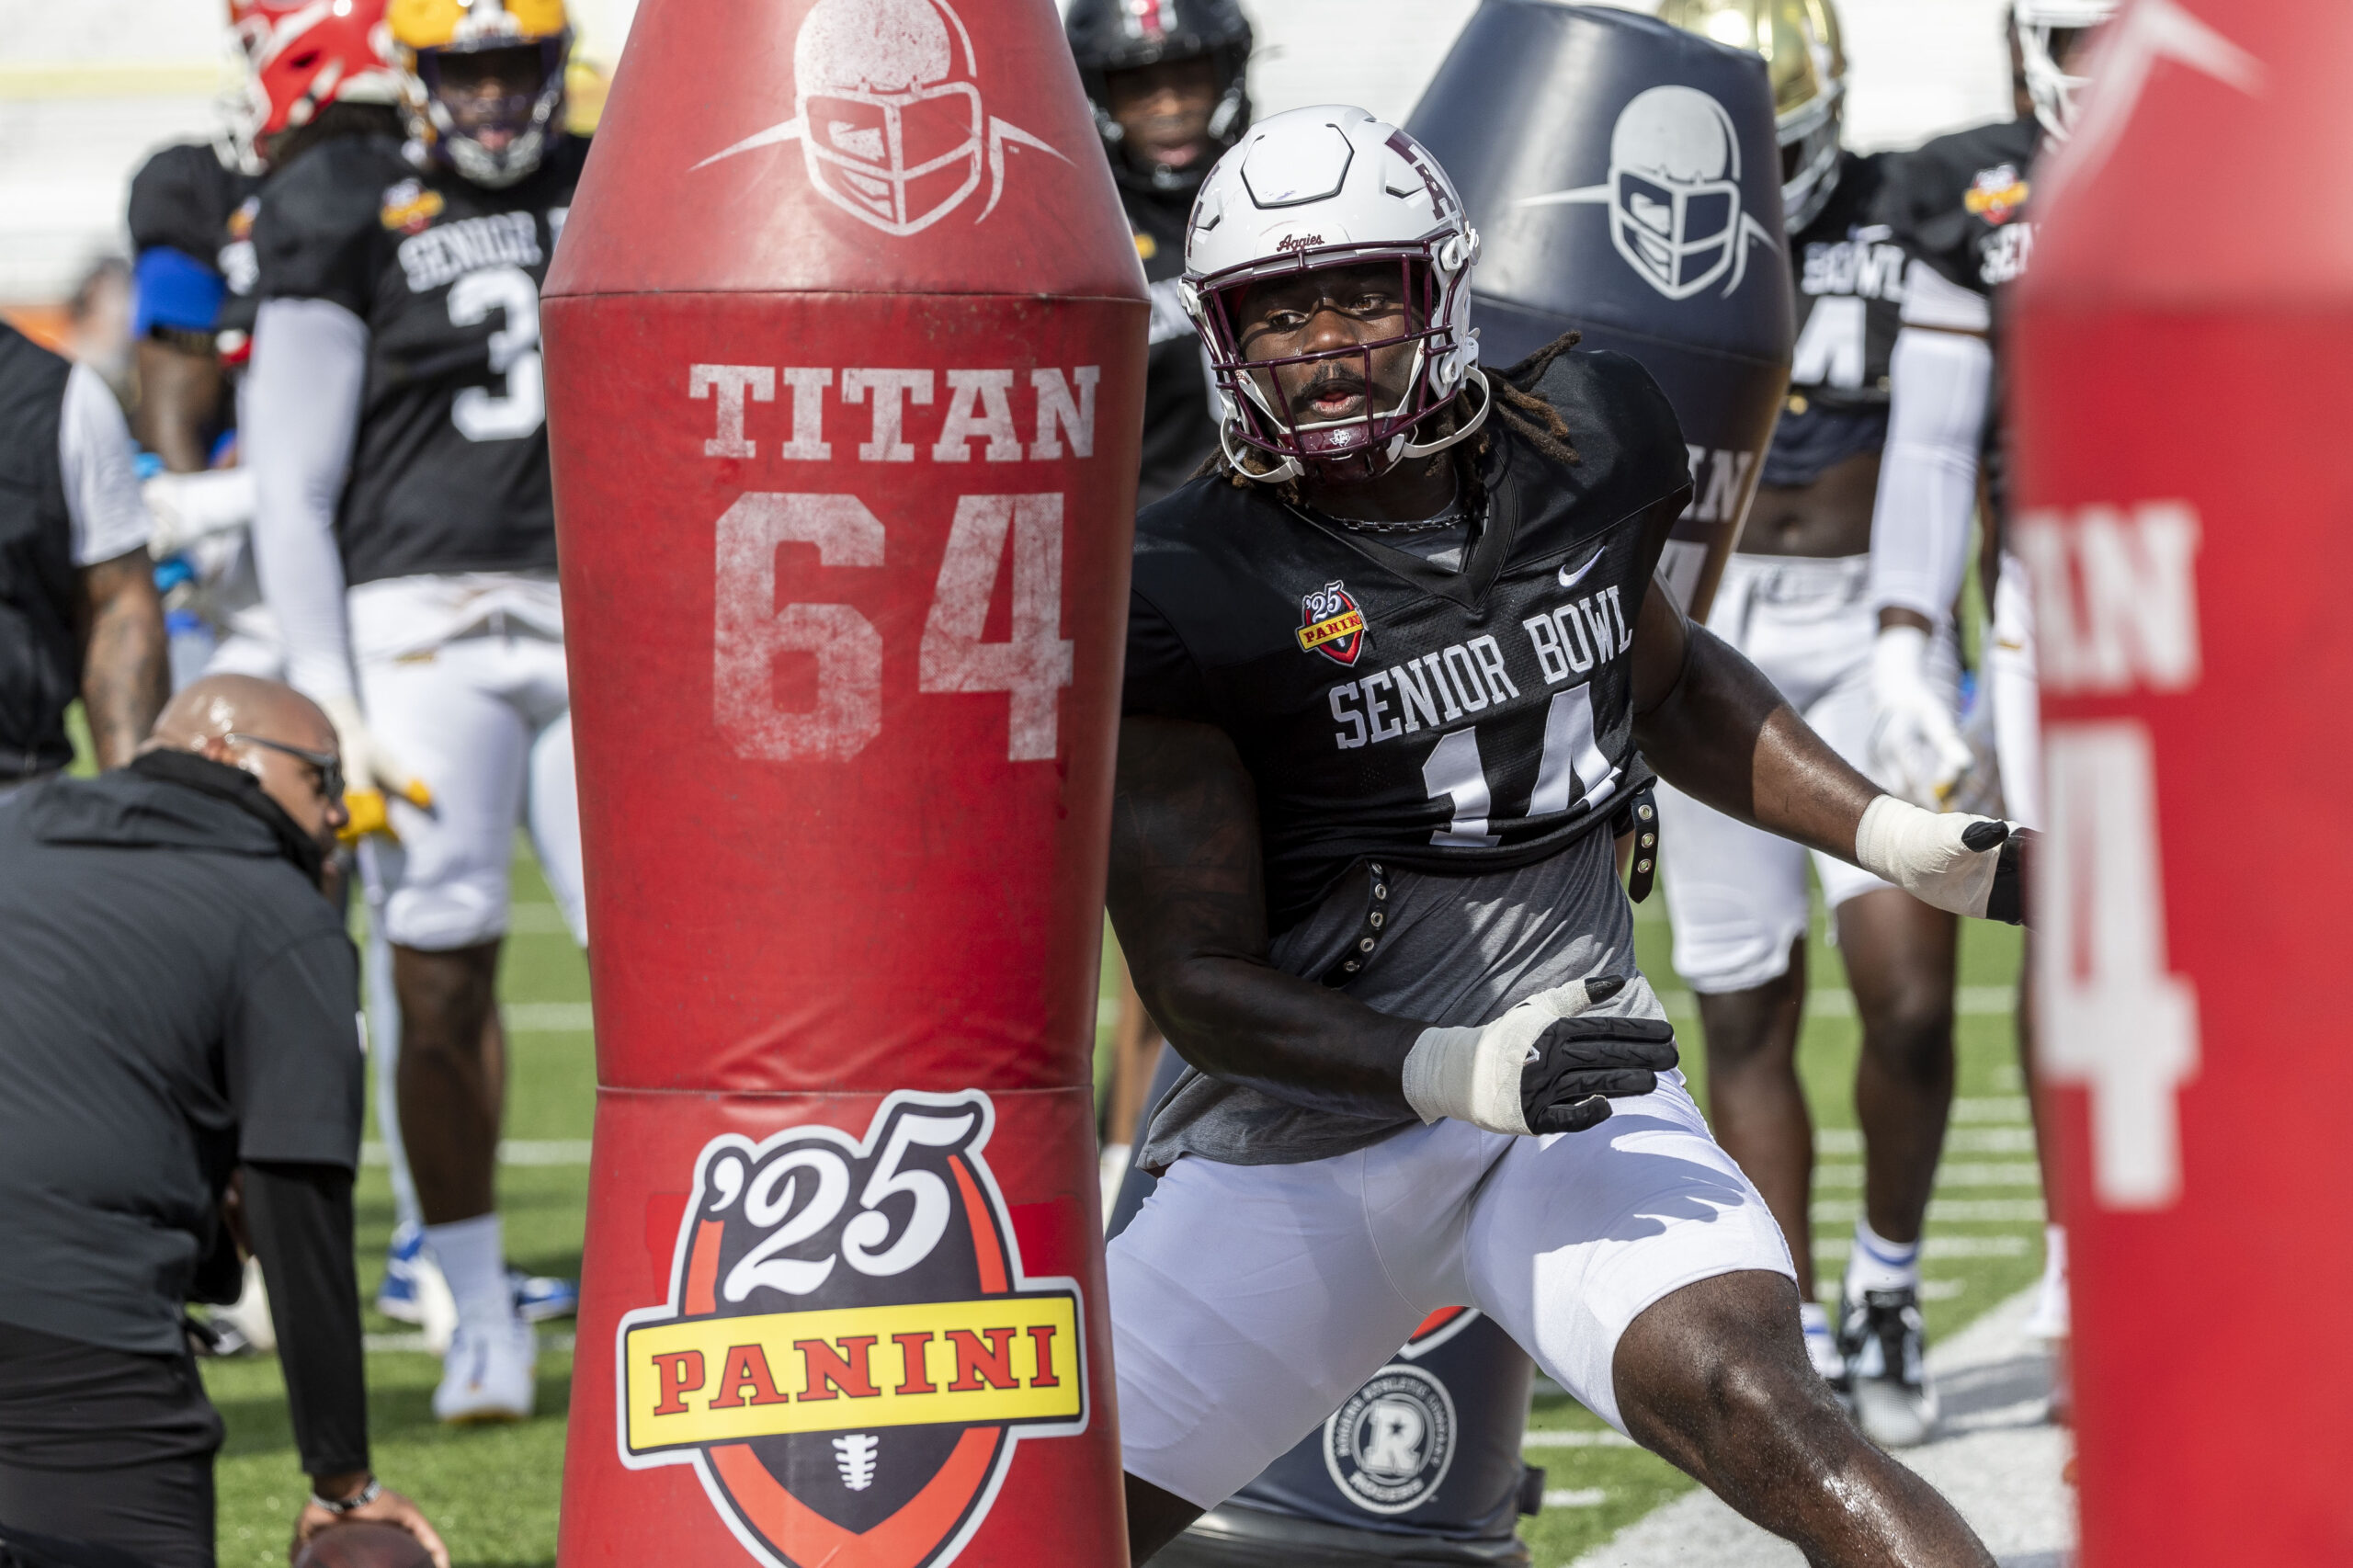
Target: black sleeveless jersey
{"x":1847,"y":268}
{"x":1389,"y":710}
{"x":1961,"y":204}
{"x":1178,"y":431}
{"x":450,"y":470}
{"x":186,"y":198}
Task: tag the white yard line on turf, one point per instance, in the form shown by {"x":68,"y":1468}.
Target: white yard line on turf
{"x":1835,"y":1140}
{"x":1995,"y":1460}
{"x":1588,"y":1438}
{"x":1846,"y":1174}
{"x":511,"y":1152}
{"x":1838,"y":1001}
{"x":411,"y":1342}
{"x":1576,"y":1497}
{"x":1937,"y":1247}
{"x":547,"y":1017}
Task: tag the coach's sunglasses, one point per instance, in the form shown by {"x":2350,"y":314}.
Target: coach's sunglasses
{"x":327,"y":764}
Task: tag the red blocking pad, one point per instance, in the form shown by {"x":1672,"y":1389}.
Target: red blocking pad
{"x":844,"y":357}
{"x":2183,"y":506}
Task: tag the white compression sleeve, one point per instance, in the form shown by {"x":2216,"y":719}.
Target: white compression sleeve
{"x":1928,"y":478}
{"x":301,"y":405}
{"x":93,"y":459}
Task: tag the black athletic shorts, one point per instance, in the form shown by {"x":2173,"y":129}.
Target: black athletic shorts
{"x":105,"y":1447}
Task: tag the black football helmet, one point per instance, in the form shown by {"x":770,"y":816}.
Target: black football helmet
{"x":1120,"y":35}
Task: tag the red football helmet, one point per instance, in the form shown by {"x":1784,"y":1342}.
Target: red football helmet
{"x":299,"y":57}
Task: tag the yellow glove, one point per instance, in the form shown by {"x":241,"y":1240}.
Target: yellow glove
{"x":366,"y":813}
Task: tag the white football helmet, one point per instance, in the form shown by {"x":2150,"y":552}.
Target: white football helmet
{"x":1323,"y":187}
{"x":2052,"y":89}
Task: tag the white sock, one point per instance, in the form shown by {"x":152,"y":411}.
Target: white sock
{"x":473,"y":1254}
{"x":2055,"y":1257}
{"x":1878,"y":1264}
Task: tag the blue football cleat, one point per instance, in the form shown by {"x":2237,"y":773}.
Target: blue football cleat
{"x":538,"y":1298}
{"x":401,"y":1297}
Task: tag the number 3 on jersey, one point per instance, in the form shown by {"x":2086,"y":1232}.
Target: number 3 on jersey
{"x":519,"y":408}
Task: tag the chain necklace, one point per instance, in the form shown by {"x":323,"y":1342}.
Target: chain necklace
{"x":1450,"y":518}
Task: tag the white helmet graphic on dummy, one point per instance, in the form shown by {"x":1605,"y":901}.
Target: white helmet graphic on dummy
{"x":887,"y":108}
{"x":1322,"y":187}
{"x":1674,"y":193}
{"x":2046,"y":31}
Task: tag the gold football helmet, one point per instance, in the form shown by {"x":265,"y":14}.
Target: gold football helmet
{"x":1799,"y":39}
{"x":483,"y":84}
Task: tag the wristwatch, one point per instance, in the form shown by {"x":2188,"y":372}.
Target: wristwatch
{"x":359,"y":1499}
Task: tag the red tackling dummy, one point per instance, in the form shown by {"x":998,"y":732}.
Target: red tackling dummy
{"x":846,"y":340}
{"x":2179,"y":408}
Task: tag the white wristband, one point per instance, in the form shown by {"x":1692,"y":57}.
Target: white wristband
{"x":1922,"y":852}
{"x":1449,"y":1073}
{"x":1474,"y":1075}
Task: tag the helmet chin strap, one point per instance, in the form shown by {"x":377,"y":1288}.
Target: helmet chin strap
{"x":1400,"y":448}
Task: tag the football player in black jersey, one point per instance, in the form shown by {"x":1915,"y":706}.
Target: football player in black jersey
{"x":1960,"y":206}
{"x":1795,"y":600}
{"x":308,"y":71}
{"x":1393,"y":675}
{"x":1168,"y":85}
{"x":407,"y":545}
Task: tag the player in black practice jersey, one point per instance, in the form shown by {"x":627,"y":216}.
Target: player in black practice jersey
{"x":1169,"y":87}
{"x":1795,"y":600}
{"x":407,"y":545}
{"x":1963,"y":206}
{"x":192,"y":208}
{"x":188,"y":265}
{"x":1393,"y":674}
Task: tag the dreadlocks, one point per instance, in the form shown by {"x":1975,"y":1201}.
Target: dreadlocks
{"x":1525,"y":411}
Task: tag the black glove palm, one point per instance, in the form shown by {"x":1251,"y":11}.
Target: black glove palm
{"x":1582,"y":1064}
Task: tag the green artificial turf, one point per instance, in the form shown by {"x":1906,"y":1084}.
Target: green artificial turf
{"x":493,"y":1491}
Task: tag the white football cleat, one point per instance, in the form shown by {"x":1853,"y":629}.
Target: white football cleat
{"x":487,"y":1375}
{"x":1886,"y":1345}
{"x":245,"y":1327}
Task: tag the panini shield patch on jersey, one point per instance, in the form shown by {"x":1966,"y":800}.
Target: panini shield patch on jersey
{"x":1997,"y":193}
{"x":1330,"y":623}
{"x":851,"y":1352}
{"x":408,"y":208}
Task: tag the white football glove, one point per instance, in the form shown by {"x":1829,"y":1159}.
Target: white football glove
{"x":189,"y":506}
{"x":1540,"y":1067}
{"x":1974,"y":866}
{"x":1915,"y":748}
{"x":371,"y":771}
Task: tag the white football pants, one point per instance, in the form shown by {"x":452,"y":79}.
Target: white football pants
{"x":1247,"y":1301}
{"x":463,"y":678}
{"x":1736,"y":893}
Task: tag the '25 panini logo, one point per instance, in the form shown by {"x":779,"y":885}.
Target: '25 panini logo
{"x":850,"y":1350}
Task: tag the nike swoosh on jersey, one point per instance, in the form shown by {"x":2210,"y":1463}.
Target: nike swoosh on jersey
{"x":1571,"y":579}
